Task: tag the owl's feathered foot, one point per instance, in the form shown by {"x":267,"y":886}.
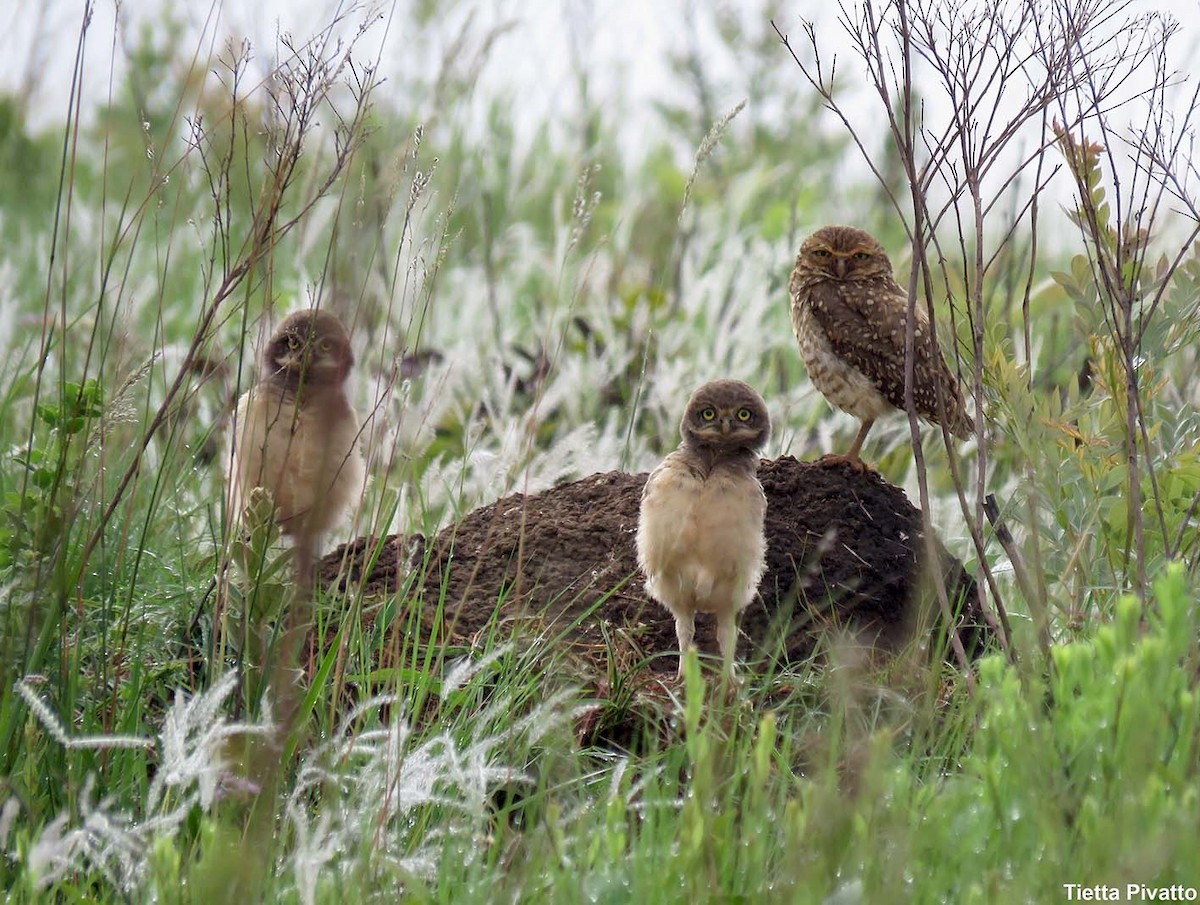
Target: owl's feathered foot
{"x":851,"y":458}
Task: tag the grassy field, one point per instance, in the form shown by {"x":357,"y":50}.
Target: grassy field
{"x":534,"y":307}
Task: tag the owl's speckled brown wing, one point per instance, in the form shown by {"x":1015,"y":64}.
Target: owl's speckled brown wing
{"x":864,"y":322}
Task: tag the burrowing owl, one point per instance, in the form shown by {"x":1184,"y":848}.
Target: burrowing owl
{"x":296,"y":433}
{"x":700,"y":531}
{"x":849,"y":314}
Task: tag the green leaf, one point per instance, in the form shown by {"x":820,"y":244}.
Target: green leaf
{"x":49,"y":413}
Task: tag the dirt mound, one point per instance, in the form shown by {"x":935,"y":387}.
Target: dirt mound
{"x":844,"y":549}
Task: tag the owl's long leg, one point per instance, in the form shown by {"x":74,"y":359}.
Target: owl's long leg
{"x":727,"y":639}
{"x":685,"y":631}
{"x":287,"y":676}
{"x":856,"y":446}
{"x":304,"y":563}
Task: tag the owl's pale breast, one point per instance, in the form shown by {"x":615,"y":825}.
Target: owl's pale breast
{"x":308,"y":458}
{"x":700,"y":541}
{"x":839,"y":381}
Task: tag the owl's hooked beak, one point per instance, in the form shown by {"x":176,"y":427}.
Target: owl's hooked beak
{"x":291,"y":361}
{"x":839,"y":267}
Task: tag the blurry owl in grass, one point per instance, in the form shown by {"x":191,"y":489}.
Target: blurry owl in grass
{"x":700,"y":536}
{"x":296,"y":433}
{"x":849,"y":315}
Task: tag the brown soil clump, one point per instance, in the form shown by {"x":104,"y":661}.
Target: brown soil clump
{"x":844,"y":549}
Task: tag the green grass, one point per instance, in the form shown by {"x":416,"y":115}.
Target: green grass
{"x":567,"y":297}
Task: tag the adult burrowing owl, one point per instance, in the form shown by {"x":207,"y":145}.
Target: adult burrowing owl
{"x":296,"y":433}
{"x":700,"y":531}
{"x":849,"y":314}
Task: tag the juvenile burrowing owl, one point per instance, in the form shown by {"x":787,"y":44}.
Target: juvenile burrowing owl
{"x":296,"y":433}
{"x":849,"y":314}
{"x":700,"y":531}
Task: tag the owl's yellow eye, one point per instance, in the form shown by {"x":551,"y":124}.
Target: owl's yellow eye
{"x":821,"y":252}
{"x":708,"y":413}
{"x":294,"y":342}
{"x":744,"y":414}
{"x":861,"y":256}
{"x":324,"y":346}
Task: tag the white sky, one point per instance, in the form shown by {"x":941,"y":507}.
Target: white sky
{"x":620,"y":42}
{"x":37,"y":48}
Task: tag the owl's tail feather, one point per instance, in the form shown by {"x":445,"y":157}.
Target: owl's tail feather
{"x":961,"y":425}
{"x":954,"y":416}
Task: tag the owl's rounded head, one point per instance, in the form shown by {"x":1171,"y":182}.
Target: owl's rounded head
{"x":726,"y":416}
{"x":844,"y":253}
{"x":309,"y":346}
